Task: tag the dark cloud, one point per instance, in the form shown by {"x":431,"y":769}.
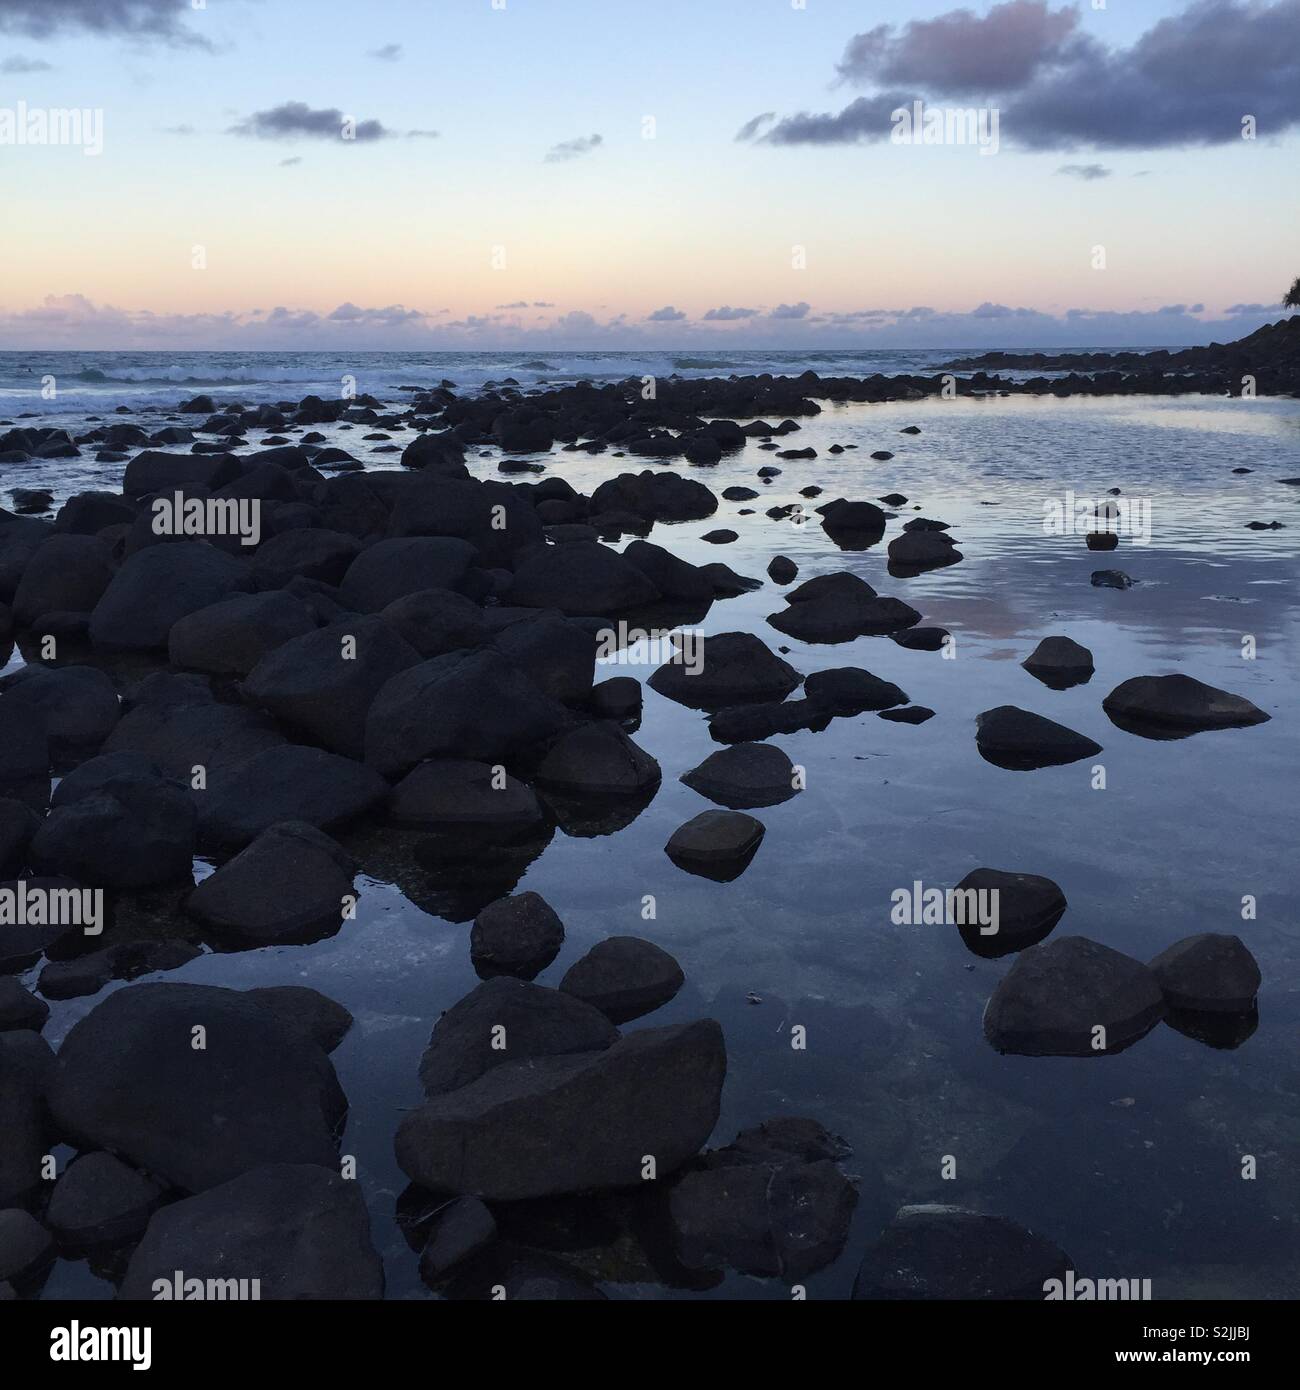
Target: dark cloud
{"x":296,"y":120}
{"x":752,"y":127}
{"x":422,"y":134}
{"x":518,"y":304}
{"x":391,"y":314}
{"x":725,"y":314}
{"x":542,"y":304}
{"x":20,"y":66}
{"x":178,"y":130}
{"x":573,"y":149}
{"x":1235,"y":309}
{"x":962,"y":52}
{"x":389,"y":53}
{"x":791,"y":311}
{"x":1087,"y":172}
{"x":1188,"y":80}
{"x":668,"y":314}
{"x":141,"y":19}
{"x":291,"y":161}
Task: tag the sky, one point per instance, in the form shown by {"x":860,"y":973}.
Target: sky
{"x":407,"y":174}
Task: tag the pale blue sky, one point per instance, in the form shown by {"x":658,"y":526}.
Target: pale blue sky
{"x":100,"y":250}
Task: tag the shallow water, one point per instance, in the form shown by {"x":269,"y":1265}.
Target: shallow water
{"x":1130,"y":1162}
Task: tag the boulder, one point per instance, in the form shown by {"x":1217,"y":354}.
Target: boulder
{"x":582,"y":579}
{"x":839,"y":607}
{"x":655,"y":496}
{"x":77,"y":704}
{"x":26,"y":1247}
{"x":849,"y":690}
{"x":304,"y":553}
{"x":299,"y":1230}
{"x":157,"y":587}
{"x":458,"y":1230}
{"x":597,"y":760}
{"x":559,"y":657}
{"x":729,"y":668}
{"x":391,"y":569}
{"x":530,"y":1020}
{"x":229,"y":638}
{"x":1059,"y":663}
{"x":1180,"y":704}
{"x":26,"y":1065}
{"x":437,"y":621}
{"x":155,"y":471}
{"x":1028,"y":906}
{"x":1072,"y":997}
{"x":578,"y":1123}
{"x":941,"y":1252}
{"x":745,"y":776}
{"x":456,"y":796}
{"x":716,"y":844}
{"x":326,"y":681}
{"x":99,"y":1201}
{"x":517,"y":936}
{"x":1019,"y":740}
{"x":20,"y":1010}
{"x":916,"y":552}
{"x":1209,"y":973}
{"x":291,"y":884}
{"x":624,"y":977}
{"x":132,"y":1078}
{"x":65,"y":573}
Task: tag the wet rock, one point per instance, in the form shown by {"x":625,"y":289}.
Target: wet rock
{"x":1020,"y":740}
{"x":66,"y":572}
{"x":326,"y":681}
{"x":729,"y":668}
{"x":191,"y":733}
{"x":922,"y":639}
{"x":22,"y":944}
{"x":838,"y":608}
{"x":580,"y":579}
{"x":229,"y":638}
{"x":299,"y":1229}
{"x":391,"y":569}
{"x":30,"y":500}
{"x":530,"y":1020}
{"x":916,"y":552}
{"x":618,"y":698}
{"x":726,"y":583}
{"x":521,"y":1275}
{"x":20,"y":1010}
{"x":130,"y":1078}
{"x":655,"y":497}
{"x":559,"y":657}
{"x":1028,"y":907}
{"x":154,"y":471}
{"x":852,"y":525}
{"x":306,"y":553}
{"x":18,"y":823}
{"x":1101,"y":540}
{"x":437,"y":621}
{"x":26,"y":1065}
{"x":1209,"y":973}
{"x":1179,"y":703}
{"x":941,"y":1252}
{"x":292,"y":883}
{"x":1111,"y":579}
{"x":99,"y":1201}
{"x":723,"y":535}
{"x":156,"y":588}
{"x":306,"y":1013}
{"x":591,"y":1118}
{"x":26,"y":1247}
{"x":1072,"y":997}
{"x":739,"y":494}
{"x":77,"y":704}
{"x":782,"y":570}
{"x":131,"y":831}
{"x":288,"y":782}
{"x":849,"y":690}
{"x":458,"y":1231}
{"x":517,"y":936}
{"x":1059,"y":663}
{"x":750,"y":723}
{"x":673,"y":577}
{"x":456,"y":796}
{"x":745,"y":776}
{"x":912,"y":714}
{"x":624,"y":977}
{"x":765,"y":1205}
{"x":716,"y":844}
{"x":597,"y":760}
{"x":461,"y":705}
{"x":127,"y":960}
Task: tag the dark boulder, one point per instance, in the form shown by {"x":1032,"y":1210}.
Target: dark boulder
{"x":437,"y":621}
{"x":1028,"y":907}
{"x":1209,"y":973}
{"x":157,"y":587}
{"x":229,"y":638}
{"x":1180,"y":704}
{"x":624,"y":977}
{"x":849,"y":690}
{"x":745,"y":776}
{"x":732,"y":668}
{"x":1059,"y":663}
{"x":391,"y":569}
{"x":716,"y":844}
{"x":582,"y":579}
{"x":459,"y":797}
{"x":517,"y":936}
{"x":1019,"y":740}
{"x":99,"y":1201}
{"x":66,"y":573}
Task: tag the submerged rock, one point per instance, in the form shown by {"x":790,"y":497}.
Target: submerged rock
{"x":839,"y":607}
{"x":299,"y":1230}
{"x":731,"y":668}
{"x":943,"y":1252}
{"x":716,"y":844}
{"x":1059,"y":663}
{"x":1209,"y":973}
{"x":590,"y":1119}
{"x":624,"y":977}
{"x":849,"y":690}
{"x":744,"y":776}
{"x":1111,"y":579}
{"x":1073,"y":997}
{"x":456,"y":796}
{"x":1178,"y":703}
{"x":518,"y":936}
{"x":598,"y":760}
{"x":530,"y":1020}
{"x":1020,"y":740}
{"x":1028,"y":907}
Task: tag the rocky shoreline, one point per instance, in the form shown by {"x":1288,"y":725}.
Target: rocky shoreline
{"x":411,"y":654}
